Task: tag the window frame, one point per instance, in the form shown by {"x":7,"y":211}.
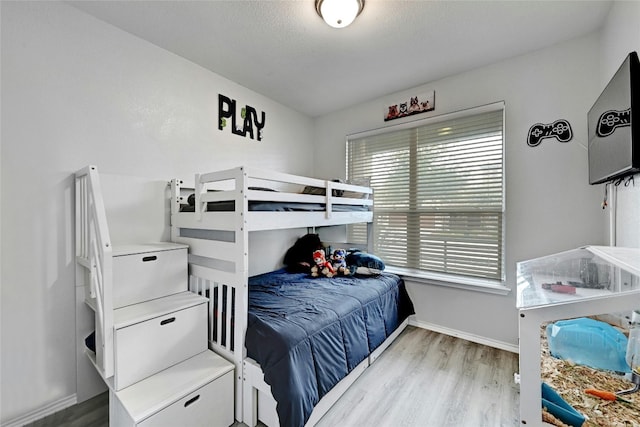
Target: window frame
{"x":440,"y":278}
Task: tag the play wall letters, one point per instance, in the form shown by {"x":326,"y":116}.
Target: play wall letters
{"x":244,"y":122}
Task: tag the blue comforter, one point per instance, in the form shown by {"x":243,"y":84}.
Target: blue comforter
{"x":309,"y":333}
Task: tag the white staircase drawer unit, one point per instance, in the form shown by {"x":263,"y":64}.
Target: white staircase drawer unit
{"x":145,"y":348}
{"x":196,"y":392}
{"x":211,"y":405}
{"x":148,"y":271}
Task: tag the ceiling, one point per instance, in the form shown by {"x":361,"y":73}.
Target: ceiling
{"x":283,"y":49}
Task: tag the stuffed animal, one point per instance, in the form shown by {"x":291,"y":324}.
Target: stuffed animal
{"x":393,"y":112}
{"x":414,"y":106}
{"x":339,"y":262}
{"x":321,"y":267}
{"x":299,"y":257}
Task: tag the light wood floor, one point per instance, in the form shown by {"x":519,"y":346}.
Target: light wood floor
{"x":424,"y":379}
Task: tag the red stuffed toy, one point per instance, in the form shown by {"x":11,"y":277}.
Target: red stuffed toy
{"x":321,"y":267}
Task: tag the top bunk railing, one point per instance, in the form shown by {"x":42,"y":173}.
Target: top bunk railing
{"x":94,"y":255}
{"x":241,"y":185}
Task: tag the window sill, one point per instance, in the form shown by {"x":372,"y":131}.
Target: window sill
{"x":470,"y":284}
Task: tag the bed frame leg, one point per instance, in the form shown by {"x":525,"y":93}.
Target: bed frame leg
{"x":249,"y":403}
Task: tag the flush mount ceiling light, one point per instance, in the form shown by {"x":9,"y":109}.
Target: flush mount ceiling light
{"x":339,"y":13}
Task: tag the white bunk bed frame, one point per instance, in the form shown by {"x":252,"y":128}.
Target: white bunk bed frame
{"x":223,"y":267}
{"x":218,"y":264}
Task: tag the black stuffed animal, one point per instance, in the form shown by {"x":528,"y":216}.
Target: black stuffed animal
{"x":299,"y":257}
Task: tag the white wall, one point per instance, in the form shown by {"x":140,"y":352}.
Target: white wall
{"x":550,"y":206}
{"x":76,"y":91}
{"x":620,"y":36}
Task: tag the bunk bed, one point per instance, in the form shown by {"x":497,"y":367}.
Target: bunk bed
{"x":215,"y":217}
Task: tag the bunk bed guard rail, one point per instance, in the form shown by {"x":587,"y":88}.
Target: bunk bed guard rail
{"x":94,"y":262}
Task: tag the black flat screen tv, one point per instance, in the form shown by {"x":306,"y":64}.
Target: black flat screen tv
{"x":614,"y":126}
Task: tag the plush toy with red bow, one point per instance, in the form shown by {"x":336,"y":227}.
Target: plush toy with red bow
{"x":321,"y":266}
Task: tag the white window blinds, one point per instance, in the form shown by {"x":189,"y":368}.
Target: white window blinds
{"x":438,"y":194}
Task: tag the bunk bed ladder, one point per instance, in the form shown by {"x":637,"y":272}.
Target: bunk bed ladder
{"x":94,"y":263}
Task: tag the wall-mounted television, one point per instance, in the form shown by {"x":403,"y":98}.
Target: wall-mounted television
{"x":614,"y":138}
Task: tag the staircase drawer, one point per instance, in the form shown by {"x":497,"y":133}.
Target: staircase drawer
{"x":196,"y":392}
{"x":210,"y":406}
{"x":144,"y":272}
{"x":145,"y":348}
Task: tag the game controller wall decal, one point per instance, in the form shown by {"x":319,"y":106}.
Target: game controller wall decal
{"x":610,"y":120}
{"x":560,"y":130}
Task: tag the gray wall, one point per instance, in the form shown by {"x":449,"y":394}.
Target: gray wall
{"x":76,"y":91}
{"x":550,"y":206}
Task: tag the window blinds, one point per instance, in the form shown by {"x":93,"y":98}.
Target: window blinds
{"x":438,"y":191}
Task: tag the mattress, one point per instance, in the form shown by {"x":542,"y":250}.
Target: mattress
{"x":309,"y":333}
{"x":268,"y":206}
{"x":229,"y":206}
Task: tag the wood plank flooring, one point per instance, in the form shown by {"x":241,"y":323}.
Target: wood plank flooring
{"x":92,"y":413}
{"x":424,"y":379}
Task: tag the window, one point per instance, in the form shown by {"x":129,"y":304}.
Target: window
{"x":438,"y":192}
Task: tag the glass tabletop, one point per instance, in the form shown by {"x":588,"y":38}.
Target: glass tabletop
{"x":581,"y":273}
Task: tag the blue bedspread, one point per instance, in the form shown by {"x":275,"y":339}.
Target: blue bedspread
{"x":309,"y":333}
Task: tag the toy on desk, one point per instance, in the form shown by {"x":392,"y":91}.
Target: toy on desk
{"x":559,"y":287}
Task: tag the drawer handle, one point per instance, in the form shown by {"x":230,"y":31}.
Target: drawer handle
{"x":149,"y":258}
{"x":167,"y":321}
{"x":192,"y":400}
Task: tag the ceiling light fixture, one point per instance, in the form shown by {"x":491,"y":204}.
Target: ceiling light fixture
{"x":339,"y":13}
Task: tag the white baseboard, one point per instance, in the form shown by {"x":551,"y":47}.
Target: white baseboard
{"x":42,"y":412}
{"x":466,"y":336}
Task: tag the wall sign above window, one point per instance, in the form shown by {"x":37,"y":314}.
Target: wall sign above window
{"x":244,"y":122}
{"x":414,"y":104}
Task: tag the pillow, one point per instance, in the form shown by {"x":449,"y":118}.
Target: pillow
{"x":191,"y":200}
{"x":364,"y":263}
{"x":262,"y":189}
{"x":318,"y":191}
{"x":362,"y":182}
